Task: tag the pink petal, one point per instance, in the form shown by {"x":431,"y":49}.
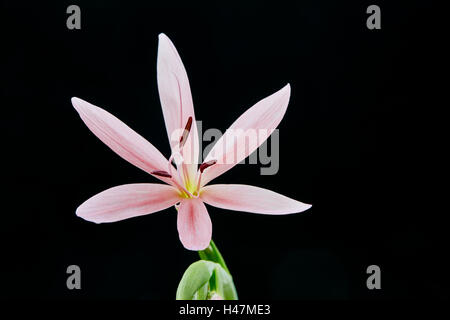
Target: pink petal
{"x":233,"y":146}
{"x":241,"y":197}
{"x":176,"y":102}
{"x":194,"y":224}
{"x":127,"y":201}
{"x":121,"y":138}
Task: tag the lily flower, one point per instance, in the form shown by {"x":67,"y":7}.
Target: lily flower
{"x":186,"y":184}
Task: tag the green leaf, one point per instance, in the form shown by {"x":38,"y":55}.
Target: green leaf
{"x":204,"y":278}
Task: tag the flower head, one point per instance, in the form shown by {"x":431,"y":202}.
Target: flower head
{"x":186,"y":183}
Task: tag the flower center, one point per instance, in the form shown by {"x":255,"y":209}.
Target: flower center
{"x":187,"y":188}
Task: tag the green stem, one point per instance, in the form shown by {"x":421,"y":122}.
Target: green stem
{"x":212,"y":254}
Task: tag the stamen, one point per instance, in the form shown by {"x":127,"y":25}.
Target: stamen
{"x":203,"y":166}
{"x":161,"y":173}
{"x":186,"y":131}
{"x":207,"y":164}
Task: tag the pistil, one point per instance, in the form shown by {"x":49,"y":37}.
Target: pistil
{"x":180,"y":164}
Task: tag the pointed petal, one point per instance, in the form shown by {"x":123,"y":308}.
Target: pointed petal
{"x":176,"y":102}
{"x":194,"y":224}
{"x":247,"y":133}
{"x":121,"y":138}
{"x":127,"y":201}
{"x":241,"y":197}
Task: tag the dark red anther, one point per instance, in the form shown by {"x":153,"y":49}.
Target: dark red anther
{"x":161,"y":173}
{"x":207,"y":164}
{"x":186,"y":131}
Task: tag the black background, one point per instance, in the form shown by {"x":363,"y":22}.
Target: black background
{"x":358,"y":142}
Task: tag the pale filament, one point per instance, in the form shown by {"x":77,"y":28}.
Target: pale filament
{"x":176,"y":153}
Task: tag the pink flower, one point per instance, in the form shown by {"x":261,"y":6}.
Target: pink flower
{"x":186,"y":184}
